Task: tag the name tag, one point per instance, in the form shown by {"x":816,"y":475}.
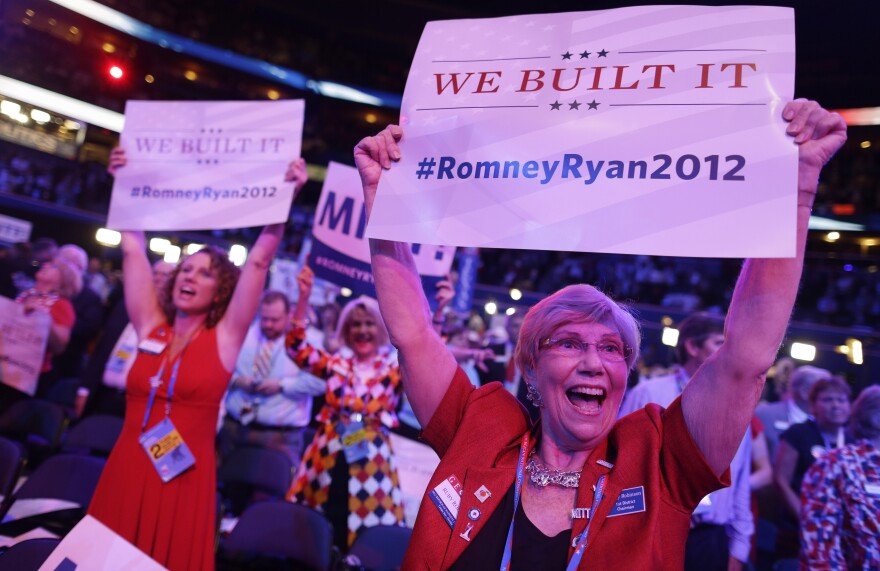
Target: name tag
{"x":116,"y":363}
{"x":872,"y":489}
{"x":630,"y":501}
{"x":354,"y":441}
{"x":152,"y":346}
{"x":166,"y":450}
{"x":447,"y":497}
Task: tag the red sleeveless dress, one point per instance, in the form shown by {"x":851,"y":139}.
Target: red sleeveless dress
{"x":173,"y":523}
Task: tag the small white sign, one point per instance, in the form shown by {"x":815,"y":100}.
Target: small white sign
{"x":23,"y":338}
{"x":205,"y":165}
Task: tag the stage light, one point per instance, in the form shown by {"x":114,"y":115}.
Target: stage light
{"x":273,"y":94}
{"x":510,"y":311}
{"x":855,"y":354}
{"x":159,"y":245}
{"x":149,"y":78}
{"x":515,"y":294}
{"x":40,"y":116}
{"x":238,"y":254}
{"x":670,"y":336}
{"x":108,"y":237}
{"x":190,"y":75}
{"x":345,"y":292}
{"x":491,"y":308}
{"x":832,"y":237}
{"x":172,"y":254}
{"x":192,"y":248}
{"x":10,"y":108}
{"x":803,"y":351}
{"x":108,"y":47}
{"x":370,"y":118}
{"x":115,"y":72}
{"x":865,"y":144}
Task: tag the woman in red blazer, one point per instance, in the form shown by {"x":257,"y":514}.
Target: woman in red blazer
{"x":579,"y":489}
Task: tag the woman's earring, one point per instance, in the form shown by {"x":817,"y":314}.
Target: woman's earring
{"x":534,"y":396}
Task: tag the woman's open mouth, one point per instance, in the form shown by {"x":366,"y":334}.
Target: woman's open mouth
{"x":586,"y":399}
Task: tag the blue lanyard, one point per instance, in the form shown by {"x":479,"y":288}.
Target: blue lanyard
{"x":156,"y":381}
{"x":517,"y":490}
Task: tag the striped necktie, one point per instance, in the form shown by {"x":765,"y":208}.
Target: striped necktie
{"x":263,"y":361}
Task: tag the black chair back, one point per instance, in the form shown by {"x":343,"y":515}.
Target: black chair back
{"x":37,"y":424}
{"x":27,"y":555}
{"x":95,"y":435}
{"x":12,"y":460}
{"x":249,"y":474}
{"x":282,"y":530}
{"x":381,"y":548}
{"x":70,"y":477}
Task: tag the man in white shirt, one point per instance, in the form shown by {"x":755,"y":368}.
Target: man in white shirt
{"x":270,"y":399}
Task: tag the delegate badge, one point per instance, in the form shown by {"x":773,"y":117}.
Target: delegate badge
{"x":354,"y":441}
{"x":166,"y":450}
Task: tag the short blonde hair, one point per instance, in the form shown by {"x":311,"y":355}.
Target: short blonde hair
{"x":71,"y":279}
{"x":579,"y":303}
{"x":369,"y":305}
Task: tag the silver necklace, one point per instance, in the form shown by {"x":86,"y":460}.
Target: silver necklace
{"x":542,"y":476}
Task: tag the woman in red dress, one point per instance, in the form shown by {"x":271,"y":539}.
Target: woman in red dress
{"x":187,"y":348}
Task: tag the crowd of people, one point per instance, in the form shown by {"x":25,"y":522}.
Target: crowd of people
{"x":163,"y":345}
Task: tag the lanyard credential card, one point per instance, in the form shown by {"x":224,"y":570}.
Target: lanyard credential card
{"x":163,"y":444}
{"x":354,"y":440}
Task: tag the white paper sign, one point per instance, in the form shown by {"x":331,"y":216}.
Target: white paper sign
{"x":643,"y":130}
{"x":14,"y":230}
{"x":205,"y":165}
{"x":416,"y":463}
{"x":22,"y":345}
{"x":93,"y":546}
{"x":340,"y":251}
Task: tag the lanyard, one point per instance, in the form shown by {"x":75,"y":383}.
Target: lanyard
{"x":839,"y":441}
{"x":156,"y":381}
{"x":581,"y":540}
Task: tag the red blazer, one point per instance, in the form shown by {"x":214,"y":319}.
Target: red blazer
{"x":477,"y":433}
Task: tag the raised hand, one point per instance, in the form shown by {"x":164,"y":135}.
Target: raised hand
{"x":297,"y":174}
{"x":373,"y":154}
{"x":118,"y":159}
{"x":819,"y":134}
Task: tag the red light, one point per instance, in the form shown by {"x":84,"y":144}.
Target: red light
{"x":115,"y":72}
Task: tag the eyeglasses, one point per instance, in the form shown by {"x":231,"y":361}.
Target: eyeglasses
{"x":610,"y":350}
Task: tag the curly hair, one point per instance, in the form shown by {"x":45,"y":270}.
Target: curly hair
{"x":227,"y":276}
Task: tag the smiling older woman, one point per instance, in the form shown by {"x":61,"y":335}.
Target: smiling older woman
{"x":580,"y":489}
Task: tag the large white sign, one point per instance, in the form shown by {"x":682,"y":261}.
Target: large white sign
{"x":93,"y":546}
{"x":23,"y":339}
{"x":643,"y":130}
{"x":205,"y":165}
{"x":341,"y":253}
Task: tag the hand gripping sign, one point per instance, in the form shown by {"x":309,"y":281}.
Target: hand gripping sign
{"x":644,"y":130}
{"x":340,"y":251}
{"x":205,"y":165}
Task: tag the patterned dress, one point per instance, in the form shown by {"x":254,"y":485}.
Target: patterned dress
{"x":373,"y":392}
{"x":840,"y":510}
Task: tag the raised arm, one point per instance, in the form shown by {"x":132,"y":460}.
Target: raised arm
{"x":141,"y":300}
{"x":426,"y":366}
{"x":719,"y":401}
{"x":243,"y":306}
